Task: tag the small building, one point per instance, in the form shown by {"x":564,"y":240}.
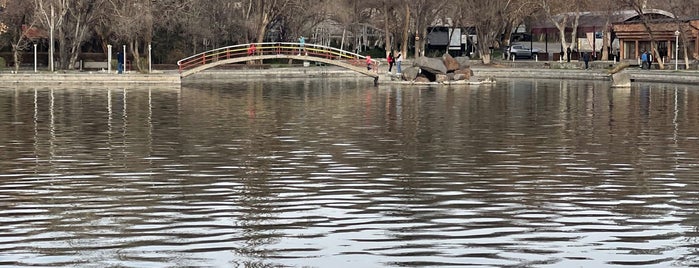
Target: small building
{"x":592,"y":25}
{"x":635,"y":38}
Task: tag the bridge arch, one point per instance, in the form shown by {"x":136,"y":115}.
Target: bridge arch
{"x":264,"y":51}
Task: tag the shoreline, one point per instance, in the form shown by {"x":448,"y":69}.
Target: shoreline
{"x":172,"y":77}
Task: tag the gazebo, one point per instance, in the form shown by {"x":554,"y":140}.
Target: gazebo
{"x":634,"y":38}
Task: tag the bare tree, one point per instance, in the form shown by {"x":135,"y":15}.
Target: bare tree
{"x":52,"y":14}
{"x":80,"y":17}
{"x":679,"y":10}
{"x":133,"y":23}
{"x":424,"y":13}
{"x":560,"y":13}
{"x":19,"y":18}
{"x":488,"y":19}
{"x":300,"y":18}
{"x":517,"y":11}
{"x":640,"y":6}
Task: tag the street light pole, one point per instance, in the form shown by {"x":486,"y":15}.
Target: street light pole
{"x":150,"y":59}
{"x":677,"y":47}
{"x":109,"y":58}
{"x":36,"y":61}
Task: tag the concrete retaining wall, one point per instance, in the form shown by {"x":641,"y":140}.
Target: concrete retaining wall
{"x":90,"y":78}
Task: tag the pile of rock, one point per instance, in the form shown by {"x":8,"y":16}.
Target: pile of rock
{"x":440,"y":70}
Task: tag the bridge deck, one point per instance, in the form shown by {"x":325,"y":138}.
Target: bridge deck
{"x":266,"y":51}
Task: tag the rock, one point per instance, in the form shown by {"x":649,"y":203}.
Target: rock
{"x":464,"y":62}
{"x":422,"y":79}
{"x":450,"y":76}
{"x":441,"y":78}
{"x":468,"y":73}
{"x":450,"y":62}
{"x":619,"y":67}
{"x":435,"y":66}
{"x":459,"y":77}
{"x":410,"y":73}
{"x":622,"y":79}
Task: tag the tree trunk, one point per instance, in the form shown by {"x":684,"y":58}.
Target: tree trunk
{"x":574,"y":34}
{"x":605,"y":40}
{"x":136,"y":55}
{"x":264,"y":21}
{"x":406,"y":32}
{"x":484,"y":46}
{"x":342,"y":42}
{"x":17,"y":56}
{"x":564,"y":43}
{"x":507,"y":35}
{"x":62,"y":49}
{"x":387,"y":33}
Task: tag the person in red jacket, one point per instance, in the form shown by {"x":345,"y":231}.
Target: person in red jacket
{"x":390,"y":61}
{"x":252,"y":49}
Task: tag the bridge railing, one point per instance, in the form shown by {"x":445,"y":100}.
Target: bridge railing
{"x":278,"y":48}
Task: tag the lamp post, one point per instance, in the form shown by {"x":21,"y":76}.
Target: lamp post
{"x":36,"y":61}
{"x":109,"y":58}
{"x":150,"y":61}
{"x":677,"y":47}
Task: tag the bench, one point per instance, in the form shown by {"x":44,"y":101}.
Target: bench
{"x":95,"y":65}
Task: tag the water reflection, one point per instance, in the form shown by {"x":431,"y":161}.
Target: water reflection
{"x":321,"y":173}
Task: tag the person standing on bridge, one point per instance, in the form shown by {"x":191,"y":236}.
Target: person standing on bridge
{"x":368,"y":63}
{"x":302,"y":44}
{"x":252,"y":49}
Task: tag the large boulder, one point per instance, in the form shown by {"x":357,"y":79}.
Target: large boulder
{"x":464,"y":62}
{"x":432,"y":65}
{"x":467,"y":73}
{"x":422,"y":79}
{"x":450,"y":62}
{"x":410,"y":73}
{"x":621,"y":79}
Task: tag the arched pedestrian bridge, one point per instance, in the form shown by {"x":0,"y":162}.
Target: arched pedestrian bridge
{"x":264,"y":51}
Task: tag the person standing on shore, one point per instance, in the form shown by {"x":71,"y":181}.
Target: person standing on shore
{"x":644,"y":59}
{"x":120,"y":62}
{"x":586,"y":59}
{"x":389,"y":59}
{"x":399,"y":60}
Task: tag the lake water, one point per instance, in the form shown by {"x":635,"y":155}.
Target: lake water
{"x":338,"y":173}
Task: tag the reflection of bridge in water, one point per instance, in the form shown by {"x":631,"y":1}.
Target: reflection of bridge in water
{"x":265,"y":51}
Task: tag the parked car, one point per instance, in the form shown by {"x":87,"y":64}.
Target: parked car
{"x":520,"y":51}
